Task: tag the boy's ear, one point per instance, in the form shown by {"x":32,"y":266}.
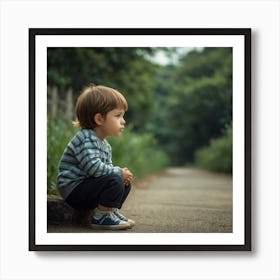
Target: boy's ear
{"x":98,"y":119}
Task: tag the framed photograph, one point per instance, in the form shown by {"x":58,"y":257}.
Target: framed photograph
{"x":187,"y":137}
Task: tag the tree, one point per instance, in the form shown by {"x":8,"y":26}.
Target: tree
{"x":198,"y":102}
{"x":126,"y":69}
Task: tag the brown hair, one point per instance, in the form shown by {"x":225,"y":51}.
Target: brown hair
{"x":94,"y":100}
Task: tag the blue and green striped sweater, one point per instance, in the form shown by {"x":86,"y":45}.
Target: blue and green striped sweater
{"x":85,"y":156}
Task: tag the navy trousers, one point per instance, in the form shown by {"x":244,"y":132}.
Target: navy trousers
{"x":108,"y":190}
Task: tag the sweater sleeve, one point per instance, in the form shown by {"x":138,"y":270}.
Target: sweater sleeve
{"x":89,"y":156}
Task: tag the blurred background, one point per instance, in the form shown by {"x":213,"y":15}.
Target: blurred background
{"x":180,"y":105}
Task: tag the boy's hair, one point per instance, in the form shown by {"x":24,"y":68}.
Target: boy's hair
{"x":94,"y":100}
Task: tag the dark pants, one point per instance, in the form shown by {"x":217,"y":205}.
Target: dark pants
{"x":108,"y":190}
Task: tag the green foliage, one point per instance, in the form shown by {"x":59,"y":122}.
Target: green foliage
{"x":218,"y":155}
{"x":59,"y":134}
{"x":139,"y":153}
{"x":125,"y":69}
{"x":197,"y":102}
{"x":175,"y":108}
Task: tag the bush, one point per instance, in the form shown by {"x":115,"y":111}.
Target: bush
{"x":218,"y":155}
{"x":137,"y":152}
{"x":59,"y":134}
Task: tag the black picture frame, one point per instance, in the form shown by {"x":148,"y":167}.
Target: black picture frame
{"x":245,"y":33}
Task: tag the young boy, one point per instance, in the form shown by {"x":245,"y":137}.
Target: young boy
{"x":87,"y":178}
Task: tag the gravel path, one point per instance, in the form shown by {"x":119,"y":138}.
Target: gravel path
{"x":178,"y":200}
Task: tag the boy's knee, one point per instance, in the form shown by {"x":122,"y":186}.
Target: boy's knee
{"x":117,"y":181}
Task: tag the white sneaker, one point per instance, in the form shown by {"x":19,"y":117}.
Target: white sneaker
{"x":109,"y":221}
{"x":122,"y":217}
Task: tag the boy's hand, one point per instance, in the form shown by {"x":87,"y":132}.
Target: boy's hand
{"x":127,"y":176}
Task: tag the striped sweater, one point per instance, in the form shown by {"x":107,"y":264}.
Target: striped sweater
{"x":85,"y":156}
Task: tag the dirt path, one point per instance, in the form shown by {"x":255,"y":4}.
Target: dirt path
{"x":178,"y":200}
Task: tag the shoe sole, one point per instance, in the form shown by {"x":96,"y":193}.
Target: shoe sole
{"x":113,"y":227}
{"x":132,"y":223}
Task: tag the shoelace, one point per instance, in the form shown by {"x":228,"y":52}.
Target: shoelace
{"x":113,"y":216}
{"x":119,"y":215}
{"x":110,"y":215}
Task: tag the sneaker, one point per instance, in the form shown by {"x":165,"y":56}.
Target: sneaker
{"x":109,"y":221}
{"x":122,"y":217}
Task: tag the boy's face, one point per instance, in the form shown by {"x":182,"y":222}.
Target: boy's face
{"x":113,"y":123}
